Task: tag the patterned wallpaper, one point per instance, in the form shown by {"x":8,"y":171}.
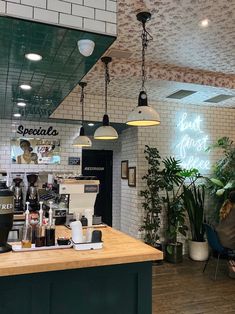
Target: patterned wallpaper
{"x":181,"y":52}
{"x":125,"y":81}
{"x":178,"y":38}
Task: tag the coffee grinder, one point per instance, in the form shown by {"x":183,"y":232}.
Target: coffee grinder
{"x":32,"y":192}
{"x":18,"y":194}
{"x":6,"y":213}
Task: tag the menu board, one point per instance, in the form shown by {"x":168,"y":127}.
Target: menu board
{"x":35,"y":151}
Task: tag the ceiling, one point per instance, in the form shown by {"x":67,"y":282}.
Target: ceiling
{"x":178,"y":40}
{"x":158,"y":90}
{"x":182,"y":55}
{"x":52,"y":78}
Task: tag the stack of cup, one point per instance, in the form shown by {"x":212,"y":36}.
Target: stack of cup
{"x":77,"y":235}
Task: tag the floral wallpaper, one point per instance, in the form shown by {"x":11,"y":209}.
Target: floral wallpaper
{"x":178,"y":40}
{"x":181,"y":55}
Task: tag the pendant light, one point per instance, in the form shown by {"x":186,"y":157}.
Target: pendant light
{"x":106,"y":131}
{"x":143,"y":115}
{"x":82,"y":140}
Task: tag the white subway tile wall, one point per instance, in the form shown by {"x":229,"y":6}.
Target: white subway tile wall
{"x":35,"y":3}
{"x":94,"y":25}
{"x":100,"y":4}
{"x":66,"y":19}
{"x":57,"y":5}
{"x":111,"y":28}
{"x":107,"y":16}
{"x":2,"y":6}
{"x":127,"y":209}
{"x":80,"y":10}
{"x":111,"y":6}
{"x":94,"y":15}
{"x":75,"y":1}
{"x":130,"y":217}
{"x":46,"y":16}
{"x":67,"y":132}
{"x":217,"y":122}
{"x":19,"y":9}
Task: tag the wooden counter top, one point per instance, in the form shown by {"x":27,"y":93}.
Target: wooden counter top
{"x":118,"y":248}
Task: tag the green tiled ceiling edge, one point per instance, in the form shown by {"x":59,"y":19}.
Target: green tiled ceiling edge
{"x":52,"y":78}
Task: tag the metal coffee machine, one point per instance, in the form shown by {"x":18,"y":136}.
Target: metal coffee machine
{"x":18,"y":194}
{"x":32,"y":192}
{"x":82,"y":193}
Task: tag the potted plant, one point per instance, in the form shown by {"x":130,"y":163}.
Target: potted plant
{"x":172,"y":182}
{"x":194,"y":199}
{"x":152,"y":200}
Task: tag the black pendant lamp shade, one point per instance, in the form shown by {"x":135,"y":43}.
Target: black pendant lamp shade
{"x":106,"y":131}
{"x":82,"y":140}
{"x":143,"y":115}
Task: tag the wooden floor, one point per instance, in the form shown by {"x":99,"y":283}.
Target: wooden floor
{"x":184,"y":289}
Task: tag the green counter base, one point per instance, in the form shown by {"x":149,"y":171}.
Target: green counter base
{"x":116,"y":289}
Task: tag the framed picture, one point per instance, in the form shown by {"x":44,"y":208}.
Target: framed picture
{"x":124,"y":169}
{"x":132,"y":176}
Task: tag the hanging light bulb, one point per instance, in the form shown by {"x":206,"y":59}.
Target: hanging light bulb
{"x":143,"y":115}
{"x":106,"y":131}
{"x":82,"y":140}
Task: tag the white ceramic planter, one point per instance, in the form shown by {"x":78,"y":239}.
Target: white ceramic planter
{"x":198,"y":251}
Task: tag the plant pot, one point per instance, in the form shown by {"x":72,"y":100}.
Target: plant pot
{"x":198,"y":251}
{"x":174,"y":252}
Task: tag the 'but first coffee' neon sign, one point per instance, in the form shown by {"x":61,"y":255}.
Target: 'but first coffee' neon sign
{"x":192,"y":143}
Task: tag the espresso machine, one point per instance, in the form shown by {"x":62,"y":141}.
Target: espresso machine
{"x":32,"y":192}
{"x":82,"y":193}
{"x":18,"y":194}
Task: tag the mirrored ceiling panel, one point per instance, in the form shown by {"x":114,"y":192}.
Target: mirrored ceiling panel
{"x":51,"y":78}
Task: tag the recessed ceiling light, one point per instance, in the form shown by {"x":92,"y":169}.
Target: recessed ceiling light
{"x":17,"y":115}
{"x":204,"y":23}
{"x":33,"y":56}
{"x":25,"y":87}
{"x":21,"y":104}
{"x":91,"y":124}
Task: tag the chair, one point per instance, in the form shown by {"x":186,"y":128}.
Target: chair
{"x":216,"y":246}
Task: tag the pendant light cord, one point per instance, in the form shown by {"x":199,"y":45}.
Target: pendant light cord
{"x":82,"y":103}
{"x":146,"y":37}
{"x":107,"y":81}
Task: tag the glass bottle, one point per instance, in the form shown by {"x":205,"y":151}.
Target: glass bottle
{"x":50,"y":235}
{"x":40,"y":230}
{"x":26,"y":241}
{"x":50,"y":229}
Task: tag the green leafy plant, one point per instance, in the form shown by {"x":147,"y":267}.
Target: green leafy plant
{"x":172,"y":182}
{"x":164,"y":189}
{"x":223,"y":176}
{"x":152,"y":199}
{"x":194,"y":199}
{"x":174,"y":178}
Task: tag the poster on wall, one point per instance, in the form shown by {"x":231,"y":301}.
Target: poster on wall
{"x":35,"y":151}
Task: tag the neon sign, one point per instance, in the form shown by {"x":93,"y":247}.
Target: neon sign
{"x":192,"y":143}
